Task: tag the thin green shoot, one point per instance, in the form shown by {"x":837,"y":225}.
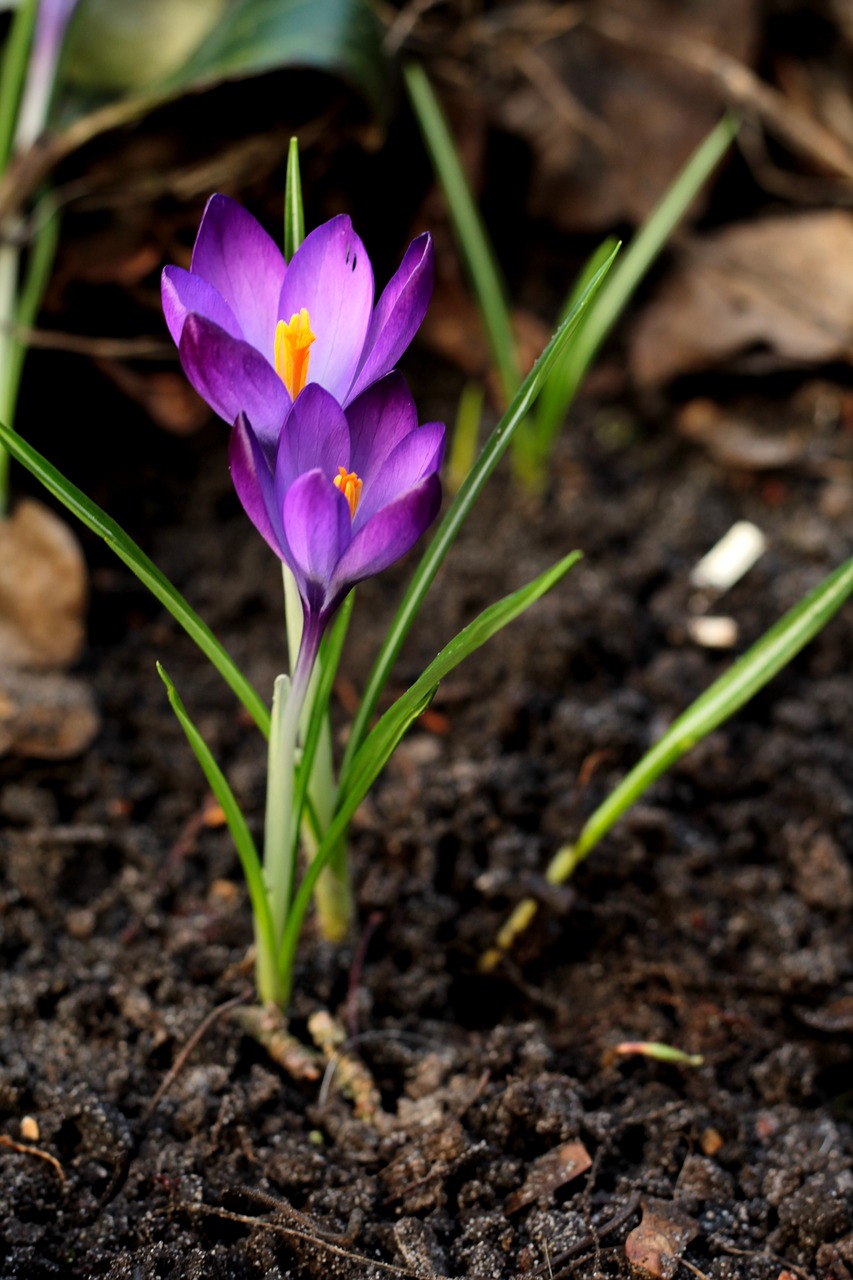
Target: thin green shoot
{"x":633,"y":265}
{"x":243,"y":842}
{"x":13,"y":73}
{"x":91,"y":515}
{"x":459,"y":510}
{"x":387,"y":734}
{"x":471,"y":234}
{"x":465,"y":436}
{"x":750,"y":673}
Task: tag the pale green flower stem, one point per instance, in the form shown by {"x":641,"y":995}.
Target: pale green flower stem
{"x":333,"y":895}
{"x":280,"y":827}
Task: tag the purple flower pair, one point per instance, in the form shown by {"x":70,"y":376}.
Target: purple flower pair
{"x":326,"y":453}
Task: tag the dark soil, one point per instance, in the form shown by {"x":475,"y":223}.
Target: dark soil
{"x":716,"y":918}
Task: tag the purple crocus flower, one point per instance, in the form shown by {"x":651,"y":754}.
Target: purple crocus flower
{"x":252,"y":331}
{"x":347,"y":493}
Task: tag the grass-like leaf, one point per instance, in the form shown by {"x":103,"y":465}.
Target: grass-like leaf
{"x":13,"y":71}
{"x":623,"y":280}
{"x":471,"y":234}
{"x":243,"y":843}
{"x":750,"y":673}
{"x":375,"y":753}
{"x":139,"y":563}
{"x":457,"y":513}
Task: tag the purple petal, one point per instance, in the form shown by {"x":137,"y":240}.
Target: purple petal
{"x":378,"y":420}
{"x":253,"y":482}
{"x":233,"y":378}
{"x":415,"y":457}
{"x":315,"y":436}
{"x":185,"y":294}
{"x":399,"y":313}
{"x":318,"y":529}
{"x":234,"y":254}
{"x":390,"y":534}
{"x":330,"y":275}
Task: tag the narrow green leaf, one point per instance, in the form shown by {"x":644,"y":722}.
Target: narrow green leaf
{"x":632,"y":266}
{"x":561,"y":387}
{"x":13,"y":71}
{"x":157,"y":583}
{"x":38,"y":268}
{"x":457,"y":513}
{"x":294,"y":216}
{"x":466,"y":432}
{"x":387,"y":734}
{"x":471,"y":234}
{"x":241,"y":836}
{"x":384,"y":737}
{"x":726,"y":695}
{"x":776,"y":648}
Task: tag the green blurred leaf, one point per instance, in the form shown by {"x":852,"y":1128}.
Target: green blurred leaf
{"x":472,"y":237}
{"x":166,"y":48}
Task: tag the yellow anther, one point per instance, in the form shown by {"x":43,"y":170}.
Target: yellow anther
{"x":292,"y":350}
{"x":350,"y":486}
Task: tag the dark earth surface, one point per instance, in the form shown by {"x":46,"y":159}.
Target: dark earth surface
{"x":715,"y":918}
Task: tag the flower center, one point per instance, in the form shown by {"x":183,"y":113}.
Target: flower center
{"x":292,"y":350}
{"x":350,"y":486}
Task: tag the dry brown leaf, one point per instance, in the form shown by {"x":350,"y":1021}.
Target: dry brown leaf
{"x":734,"y":440}
{"x":547,"y":1174}
{"x":783,"y":285}
{"x":45,"y":715}
{"x":43,"y":590}
{"x":654,"y":1248}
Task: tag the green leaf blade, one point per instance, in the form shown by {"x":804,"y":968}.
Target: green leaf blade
{"x":459,"y":510}
{"x":749,"y":674}
{"x":91,"y":515}
{"x":471,"y":234}
{"x":241,"y":836}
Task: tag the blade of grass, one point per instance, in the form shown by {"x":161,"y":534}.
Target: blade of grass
{"x":470,"y":232}
{"x":466,"y":431}
{"x":632,"y":266}
{"x":385,"y":737}
{"x":38,"y":268}
{"x":460,"y":508}
{"x":242,"y":838}
{"x":750,"y":673}
{"x":560,"y":389}
{"x":376,"y":751}
{"x":138,"y":562}
{"x":13,"y":71}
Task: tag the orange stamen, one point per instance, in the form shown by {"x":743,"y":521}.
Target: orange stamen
{"x":292,"y":350}
{"x":350,"y":486}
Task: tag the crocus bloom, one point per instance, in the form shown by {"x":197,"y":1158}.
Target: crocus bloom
{"x":347,"y":493}
{"x":252,"y":331}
